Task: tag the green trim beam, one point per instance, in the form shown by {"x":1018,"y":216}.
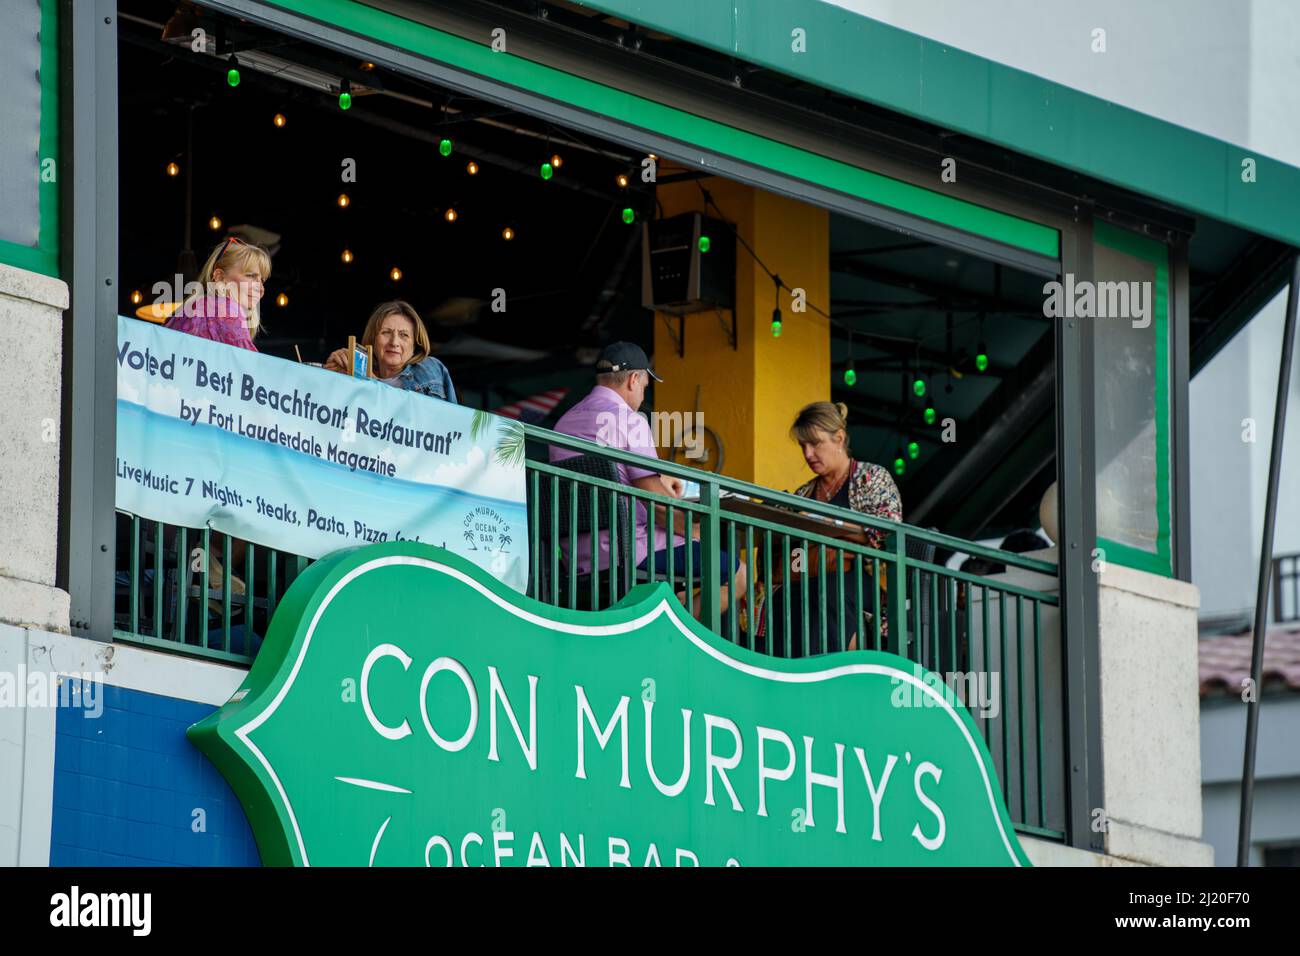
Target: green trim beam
{"x":931,"y":81}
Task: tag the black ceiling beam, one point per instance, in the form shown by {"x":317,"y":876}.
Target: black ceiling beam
{"x":924,"y":354}
{"x":934,"y":290}
{"x":881,"y":250}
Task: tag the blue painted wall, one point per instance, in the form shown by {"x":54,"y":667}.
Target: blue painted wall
{"x":126,"y":784}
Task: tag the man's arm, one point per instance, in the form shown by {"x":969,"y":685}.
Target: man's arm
{"x":672,"y":487}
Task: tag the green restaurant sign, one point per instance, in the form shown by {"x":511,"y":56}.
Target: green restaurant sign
{"x":406,"y":709}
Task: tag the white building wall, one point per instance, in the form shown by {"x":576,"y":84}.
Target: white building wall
{"x":31,"y":339}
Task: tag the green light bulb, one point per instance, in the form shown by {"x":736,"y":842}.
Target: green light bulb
{"x":232,"y":76}
{"x":444,"y":147}
{"x":704,"y":243}
{"x":918,"y":387}
{"x":930,"y":415}
{"x":900,"y":466}
{"x":981,"y":361}
{"x":913,"y":450}
{"x":850,"y":376}
{"x":776,"y":328}
{"x":547,"y":171}
{"x":629,"y":215}
{"x":345,"y":101}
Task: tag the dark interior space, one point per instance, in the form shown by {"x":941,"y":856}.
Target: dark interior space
{"x":905,"y":310}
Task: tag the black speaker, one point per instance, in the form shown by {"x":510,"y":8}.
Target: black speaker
{"x":676,"y":276}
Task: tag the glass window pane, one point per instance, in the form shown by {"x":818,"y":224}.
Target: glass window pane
{"x":20,"y":119}
{"x":1131,"y":405}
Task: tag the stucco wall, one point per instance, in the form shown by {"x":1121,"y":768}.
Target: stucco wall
{"x":31,"y":330}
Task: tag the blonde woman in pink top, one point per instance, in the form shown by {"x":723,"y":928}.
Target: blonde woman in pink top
{"x":226,"y":309}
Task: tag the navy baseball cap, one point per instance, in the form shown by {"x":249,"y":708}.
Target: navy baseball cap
{"x":624,"y":357}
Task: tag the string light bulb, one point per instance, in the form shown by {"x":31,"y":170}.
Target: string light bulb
{"x":214,"y":223}
{"x":981,"y":358}
{"x":629,"y":215}
{"x":900,"y":465}
{"x":173,"y":169}
{"x":776,"y":310}
{"x":344,"y":201}
{"x":136,"y":297}
{"x":232,"y":74}
{"x":507,"y":233}
{"x":913,"y":450}
{"x":918,"y":387}
{"x":282,"y":300}
{"x":472,"y":168}
{"x":556,"y":160}
{"x":347,"y":257}
{"x":279,"y":120}
{"x":450,"y":214}
{"x":444,"y":146}
{"x":345,"y":94}
{"x":622,"y":180}
{"x":367,"y":66}
{"x":395,"y":274}
{"x":705,"y":243}
{"x":930,"y":414}
{"x":850,"y":375}
{"x":547,"y":170}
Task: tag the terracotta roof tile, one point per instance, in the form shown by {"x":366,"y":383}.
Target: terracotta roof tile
{"x":1225,"y":661}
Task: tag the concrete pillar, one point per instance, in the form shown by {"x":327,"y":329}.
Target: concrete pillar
{"x":31,"y":323}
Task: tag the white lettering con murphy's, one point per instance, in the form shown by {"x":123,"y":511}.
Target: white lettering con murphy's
{"x":766,"y":754}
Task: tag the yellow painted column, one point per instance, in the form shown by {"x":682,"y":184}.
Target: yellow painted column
{"x":750,"y":395}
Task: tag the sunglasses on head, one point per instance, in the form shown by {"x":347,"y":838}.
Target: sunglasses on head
{"x":230,"y":241}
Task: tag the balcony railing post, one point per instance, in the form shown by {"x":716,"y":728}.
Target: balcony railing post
{"x":898,"y":597}
{"x":710,"y":574}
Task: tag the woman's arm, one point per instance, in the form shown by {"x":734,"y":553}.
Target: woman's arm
{"x":878,"y":496}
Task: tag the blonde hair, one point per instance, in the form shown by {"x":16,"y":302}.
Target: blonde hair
{"x":397,"y":307}
{"x":234,"y":253}
{"x":821,"y":417}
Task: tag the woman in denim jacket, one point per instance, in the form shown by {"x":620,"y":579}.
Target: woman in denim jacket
{"x":400,"y":343}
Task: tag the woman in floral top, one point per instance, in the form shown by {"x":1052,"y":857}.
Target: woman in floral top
{"x":821,"y":429}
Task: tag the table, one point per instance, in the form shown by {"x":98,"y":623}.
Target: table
{"x":794,"y":520}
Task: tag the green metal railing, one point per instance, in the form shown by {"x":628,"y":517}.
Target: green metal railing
{"x":807,"y":589}
{"x":996,"y":641}
{"x":171,"y":594}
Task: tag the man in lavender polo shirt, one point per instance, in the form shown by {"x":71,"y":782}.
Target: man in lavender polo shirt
{"x":608,"y":416}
